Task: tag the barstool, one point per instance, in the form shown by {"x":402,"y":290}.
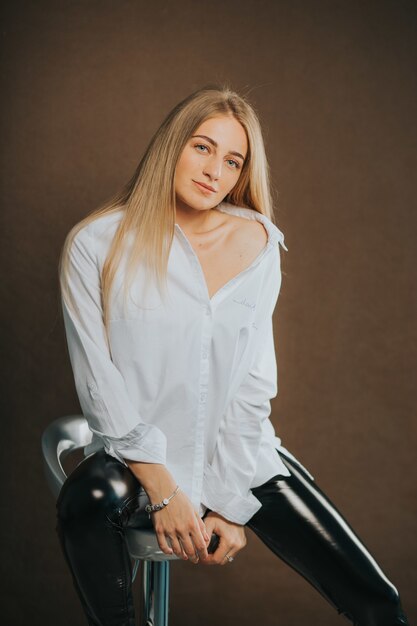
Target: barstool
{"x":67,"y":434}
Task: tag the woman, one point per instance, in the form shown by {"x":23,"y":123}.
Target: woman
{"x":168,"y":293}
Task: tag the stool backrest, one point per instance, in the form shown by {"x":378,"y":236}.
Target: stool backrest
{"x":60,"y":437}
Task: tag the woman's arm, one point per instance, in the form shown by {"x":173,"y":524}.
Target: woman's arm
{"x":108,"y":409}
{"x":227,"y":479}
{"x":99,"y":384}
{"x":179,"y":520}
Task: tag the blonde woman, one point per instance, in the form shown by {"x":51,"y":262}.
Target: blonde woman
{"x":168,"y":293}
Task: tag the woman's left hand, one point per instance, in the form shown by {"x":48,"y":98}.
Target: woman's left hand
{"x":232,"y":538}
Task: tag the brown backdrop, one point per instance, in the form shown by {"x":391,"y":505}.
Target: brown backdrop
{"x":85,"y":85}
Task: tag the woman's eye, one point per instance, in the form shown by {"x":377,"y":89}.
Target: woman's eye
{"x":236,"y":165}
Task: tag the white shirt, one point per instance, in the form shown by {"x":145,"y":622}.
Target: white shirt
{"x":188,"y":381}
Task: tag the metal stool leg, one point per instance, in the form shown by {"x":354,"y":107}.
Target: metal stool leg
{"x":155,"y":593}
{"x":161,"y":595}
{"x":136,"y":563}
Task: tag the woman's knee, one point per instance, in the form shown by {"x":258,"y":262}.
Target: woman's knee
{"x":99,"y":487}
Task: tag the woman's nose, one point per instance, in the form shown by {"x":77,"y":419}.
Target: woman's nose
{"x":213,"y":168}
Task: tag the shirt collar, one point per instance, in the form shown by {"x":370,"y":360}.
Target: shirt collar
{"x":274,"y":233}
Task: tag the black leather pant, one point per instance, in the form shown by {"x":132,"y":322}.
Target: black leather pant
{"x":100,"y":499}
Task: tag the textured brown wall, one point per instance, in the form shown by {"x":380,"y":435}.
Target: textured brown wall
{"x":85,"y":85}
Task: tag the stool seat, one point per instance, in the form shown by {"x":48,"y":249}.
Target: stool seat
{"x":143,"y":544}
{"x":70,"y":433}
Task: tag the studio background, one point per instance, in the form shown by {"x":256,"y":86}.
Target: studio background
{"x":85,"y":85}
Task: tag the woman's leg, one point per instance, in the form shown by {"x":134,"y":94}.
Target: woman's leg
{"x":99,"y":499}
{"x":301,"y":525}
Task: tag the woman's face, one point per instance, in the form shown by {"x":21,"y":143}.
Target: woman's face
{"x":214,"y":156}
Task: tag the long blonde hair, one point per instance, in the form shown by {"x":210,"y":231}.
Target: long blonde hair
{"x":147,"y":201}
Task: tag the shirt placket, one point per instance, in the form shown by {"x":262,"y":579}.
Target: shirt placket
{"x":208,"y":309}
{"x":204,"y":371}
{"x":204,"y":364}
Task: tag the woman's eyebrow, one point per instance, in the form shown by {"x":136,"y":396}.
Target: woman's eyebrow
{"x":215,"y":144}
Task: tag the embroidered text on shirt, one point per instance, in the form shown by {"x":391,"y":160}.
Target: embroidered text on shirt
{"x":244,"y":302}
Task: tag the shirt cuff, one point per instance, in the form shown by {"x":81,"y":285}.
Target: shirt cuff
{"x":145,"y":443}
{"x":232,"y":506}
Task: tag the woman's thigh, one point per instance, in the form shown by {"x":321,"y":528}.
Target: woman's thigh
{"x":99,"y":499}
{"x":299,"y":523}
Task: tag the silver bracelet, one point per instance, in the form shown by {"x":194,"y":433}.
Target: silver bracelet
{"x":150,"y":508}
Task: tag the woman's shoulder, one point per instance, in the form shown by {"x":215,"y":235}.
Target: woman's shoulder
{"x":249,"y":236}
{"x":253,"y":223}
{"x":106,"y":222}
{"x":99,"y":229}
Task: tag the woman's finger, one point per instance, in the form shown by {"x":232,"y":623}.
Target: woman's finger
{"x":203,"y":529}
{"x":189,"y":547}
{"x":200,"y":544}
{"x":177,"y":547}
{"x":224,"y":547}
{"x":162,"y":541}
{"x":225,"y":559}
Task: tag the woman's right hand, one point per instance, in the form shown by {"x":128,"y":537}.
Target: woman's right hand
{"x":178,"y":524}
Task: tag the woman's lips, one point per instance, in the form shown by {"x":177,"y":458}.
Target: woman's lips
{"x":203,"y":188}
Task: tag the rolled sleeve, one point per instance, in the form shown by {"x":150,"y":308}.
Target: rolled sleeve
{"x":231,"y":505}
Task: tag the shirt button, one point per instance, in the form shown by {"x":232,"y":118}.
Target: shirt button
{"x":208,"y":310}
{"x":203,"y":395}
{"x":205,"y":355}
{"x":92,"y":388}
